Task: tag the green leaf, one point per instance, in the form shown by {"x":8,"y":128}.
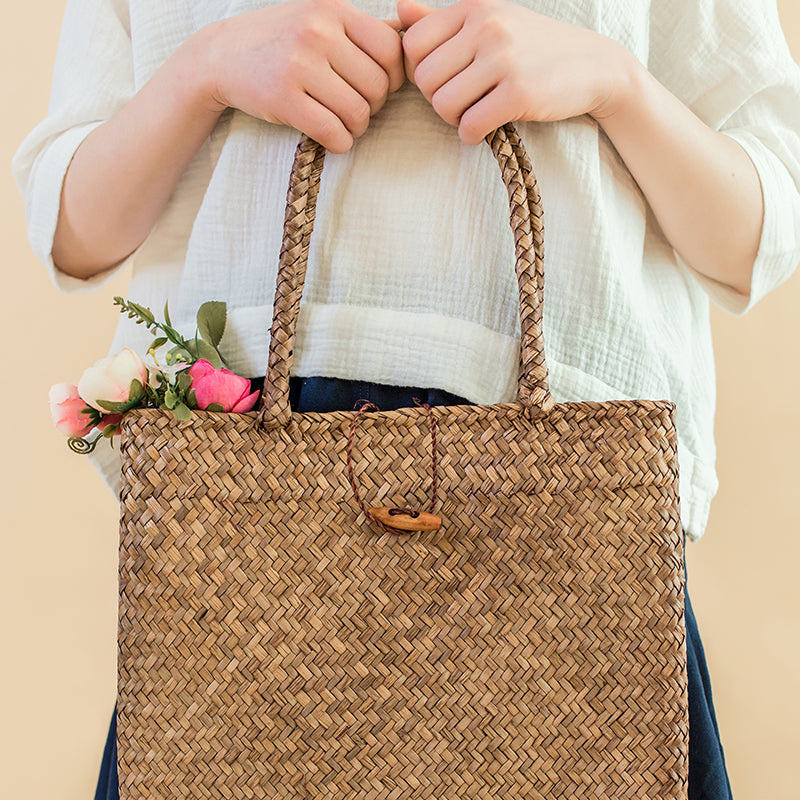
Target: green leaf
{"x":179,"y":355}
{"x":112,"y":407}
{"x":181,"y":412}
{"x":214,"y":407}
{"x":191,"y":399}
{"x":166,"y":314}
{"x":121,"y":408}
{"x":209,"y":353}
{"x":94,"y":415}
{"x":134,"y":310}
{"x":183,"y":381}
{"x":154,"y":395}
{"x":110,"y":430}
{"x":170,"y":399}
{"x":160,"y":342}
{"x":211,"y":318}
{"x":145,"y":313}
{"x":136,"y":392}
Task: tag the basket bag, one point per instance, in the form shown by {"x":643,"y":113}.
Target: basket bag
{"x":276,"y":642}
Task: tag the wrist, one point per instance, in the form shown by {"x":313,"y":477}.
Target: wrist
{"x":195,"y":73}
{"x":624,"y":83}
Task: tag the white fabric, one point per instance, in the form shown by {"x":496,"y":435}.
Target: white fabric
{"x":411,"y":271}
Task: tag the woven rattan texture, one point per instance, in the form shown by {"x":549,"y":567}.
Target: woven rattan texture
{"x":270,"y":637}
{"x":274,"y":644}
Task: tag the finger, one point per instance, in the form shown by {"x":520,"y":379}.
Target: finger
{"x":320,"y":123}
{"x":358,"y":69}
{"x":410,"y":12}
{"x":422,"y":38}
{"x":494,"y":109}
{"x":463,"y":91}
{"x":396,"y":25}
{"x":332,"y":91}
{"x":379,"y":41}
{"x":443,"y":64}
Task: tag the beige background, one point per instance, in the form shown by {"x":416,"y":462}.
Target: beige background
{"x":58,"y":522}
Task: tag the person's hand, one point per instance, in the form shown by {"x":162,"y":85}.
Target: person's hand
{"x":482,"y":63}
{"x":321,"y":66}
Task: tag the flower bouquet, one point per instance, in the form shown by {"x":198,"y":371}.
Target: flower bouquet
{"x":192,"y":376}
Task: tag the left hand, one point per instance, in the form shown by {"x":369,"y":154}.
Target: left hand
{"x":482,"y":63}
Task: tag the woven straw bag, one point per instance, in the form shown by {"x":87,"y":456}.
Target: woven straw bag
{"x":275,"y":643}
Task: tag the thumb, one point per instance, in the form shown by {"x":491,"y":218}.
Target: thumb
{"x":409,"y":12}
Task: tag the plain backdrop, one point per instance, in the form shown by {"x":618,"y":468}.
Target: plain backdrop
{"x":58,"y":562}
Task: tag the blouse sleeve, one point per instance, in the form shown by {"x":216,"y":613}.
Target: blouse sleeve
{"x":93,"y":79}
{"x":729,"y":62}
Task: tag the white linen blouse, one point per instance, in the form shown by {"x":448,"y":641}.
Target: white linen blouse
{"x":411,"y":278}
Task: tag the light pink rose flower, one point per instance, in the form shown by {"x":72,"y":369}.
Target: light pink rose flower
{"x":110,"y":378}
{"x":66,"y":407}
{"x":221,"y":386}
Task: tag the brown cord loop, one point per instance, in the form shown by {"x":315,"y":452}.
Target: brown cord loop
{"x":434,"y":454}
{"x":410,"y":512}
{"x":363,"y":409}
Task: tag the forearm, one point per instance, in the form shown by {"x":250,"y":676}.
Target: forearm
{"x":124,"y":172}
{"x":320,"y":66}
{"x":702,"y":186}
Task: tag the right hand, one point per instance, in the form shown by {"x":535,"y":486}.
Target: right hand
{"x":321,"y":66}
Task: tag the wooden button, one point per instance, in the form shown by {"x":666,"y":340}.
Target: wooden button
{"x":407,"y":519}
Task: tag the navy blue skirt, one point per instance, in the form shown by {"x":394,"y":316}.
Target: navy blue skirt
{"x":708,"y":778}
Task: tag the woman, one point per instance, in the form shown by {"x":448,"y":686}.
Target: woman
{"x":664,"y":136}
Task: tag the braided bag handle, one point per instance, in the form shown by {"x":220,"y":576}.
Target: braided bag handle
{"x":526,"y":224}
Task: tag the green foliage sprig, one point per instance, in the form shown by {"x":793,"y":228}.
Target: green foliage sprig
{"x":211,"y":321}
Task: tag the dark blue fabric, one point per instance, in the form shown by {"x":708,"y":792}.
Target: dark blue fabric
{"x":334,"y":394}
{"x":108,"y":782}
{"x":708,"y":778}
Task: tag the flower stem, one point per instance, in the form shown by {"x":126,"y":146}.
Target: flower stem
{"x":83,"y":446}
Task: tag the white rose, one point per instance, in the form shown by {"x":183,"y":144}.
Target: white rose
{"x":110,"y":379}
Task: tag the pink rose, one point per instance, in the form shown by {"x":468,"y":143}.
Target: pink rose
{"x":67,"y":407}
{"x":110,"y":379}
{"x":221,"y":386}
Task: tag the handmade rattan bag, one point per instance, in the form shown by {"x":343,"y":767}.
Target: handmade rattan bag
{"x":276,"y":643}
